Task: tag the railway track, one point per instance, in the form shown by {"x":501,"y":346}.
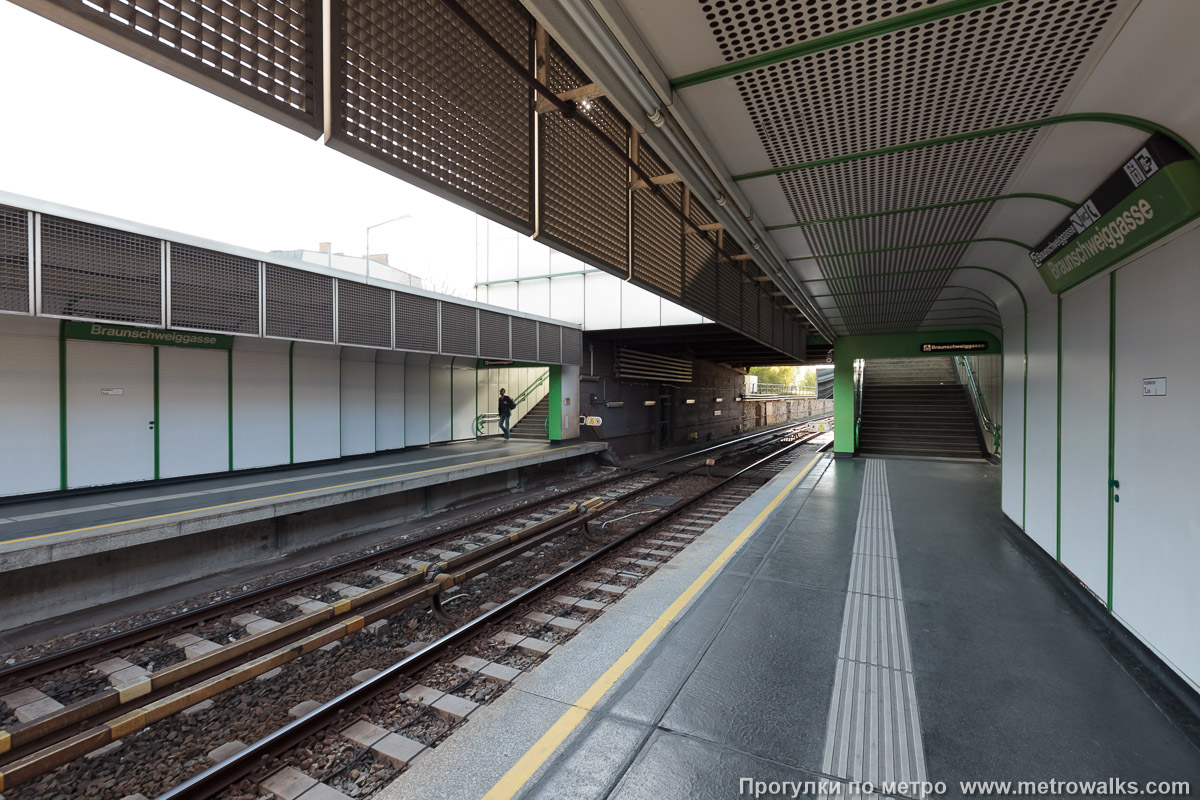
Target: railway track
{"x":141,"y":699}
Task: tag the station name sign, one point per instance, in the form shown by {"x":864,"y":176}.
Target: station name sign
{"x":108,"y":332}
{"x":953,"y":347}
{"x":1152,"y":194}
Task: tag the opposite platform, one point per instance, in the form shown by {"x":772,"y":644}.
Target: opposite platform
{"x":73,"y":540}
{"x":878,"y":625}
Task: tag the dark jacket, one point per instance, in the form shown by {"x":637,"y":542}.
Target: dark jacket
{"x":507,"y":405}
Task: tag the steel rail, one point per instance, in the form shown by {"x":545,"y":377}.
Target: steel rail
{"x":222,"y":775}
{"x":40,"y":666}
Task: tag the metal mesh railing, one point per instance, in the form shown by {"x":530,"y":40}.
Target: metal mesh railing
{"x":15,"y":259}
{"x":213,"y":291}
{"x":299,"y":305}
{"x":91,"y":272}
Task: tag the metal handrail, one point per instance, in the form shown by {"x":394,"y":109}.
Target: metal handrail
{"x":989,"y":425}
{"x":483,"y":419}
{"x":860,"y":374}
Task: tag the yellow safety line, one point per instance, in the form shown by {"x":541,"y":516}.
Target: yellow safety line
{"x":261,"y":499}
{"x":543,"y":748}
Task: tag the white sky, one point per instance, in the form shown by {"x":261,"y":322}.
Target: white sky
{"x":85,"y":126}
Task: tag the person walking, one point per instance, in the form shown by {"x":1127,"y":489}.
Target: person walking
{"x":506,"y":407}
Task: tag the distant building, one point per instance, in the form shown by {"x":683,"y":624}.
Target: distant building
{"x":357,"y":265}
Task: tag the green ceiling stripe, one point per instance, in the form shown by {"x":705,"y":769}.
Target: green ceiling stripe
{"x":1115,"y":119}
{"x":1021,"y":245}
{"x":861,"y":33}
{"x":1062,"y":201}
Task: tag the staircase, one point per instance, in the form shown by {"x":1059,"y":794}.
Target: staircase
{"x":916,"y":406}
{"x":533,"y":424}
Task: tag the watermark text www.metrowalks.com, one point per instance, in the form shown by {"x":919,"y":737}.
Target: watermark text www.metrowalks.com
{"x":1108,"y":787}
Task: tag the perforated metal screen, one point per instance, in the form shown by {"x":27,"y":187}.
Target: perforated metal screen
{"x":459,"y":330}
{"x":213,"y":291}
{"x":524,"y":339}
{"x":263,"y":53}
{"x":493,"y":335}
{"x":416,"y":92}
{"x":657,"y":231}
{"x":585,"y":186}
{"x":364,"y":315}
{"x":549,"y":343}
{"x":15,"y":262}
{"x":100,"y":273}
{"x":299,"y":305}
{"x":700,"y":264}
{"x":416,"y":323}
{"x":572,"y":346}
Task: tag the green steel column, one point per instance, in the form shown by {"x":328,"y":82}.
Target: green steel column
{"x":1112,"y":422}
{"x":1058,"y":450}
{"x":229,"y":392}
{"x":156,"y":420}
{"x":62,"y":404}
{"x":843,"y":402}
{"x":556,"y":404}
{"x":291,"y":403}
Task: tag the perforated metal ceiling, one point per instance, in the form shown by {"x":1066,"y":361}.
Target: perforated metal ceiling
{"x":986,"y":67}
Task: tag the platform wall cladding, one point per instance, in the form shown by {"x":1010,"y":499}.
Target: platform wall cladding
{"x":132,"y":412}
{"x":1120,"y":404}
{"x":415,"y":92}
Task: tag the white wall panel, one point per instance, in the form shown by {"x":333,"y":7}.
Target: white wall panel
{"x":260,"y":403}
{"x":193,"y":411}
{"x":570,"y":408}
{"x":358,"y":401}
{"x":675,"y":314}
{"x":416,"y":399}
{"x":639,"y":307}
{"x":1010,"y":467}
{"x":1085,"y":434}
{"x":389,"y":400}
{"x":110,"y":438}
{"x":567,"y":299}
{"x":535,"y":297}
{"x":1156,"y":539}
{"x":440,"y":388}
{"x":1041,"y":503}
{"x":316,"y":399}
{"x":464,"y":390}
{"x":29,"y":447}
{"x":603,"y":311}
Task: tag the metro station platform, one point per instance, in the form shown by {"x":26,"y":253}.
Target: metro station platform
{"x":854,"y":620}
{"x":97,"y":543}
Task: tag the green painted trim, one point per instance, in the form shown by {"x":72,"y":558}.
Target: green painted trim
{"x":1115,"y":119}
{"x":341,"y":440}
{"x":291,"y":403}
{"x":157,"y":459}
{"x":1021,"y":245}
{"x":1024,"y":356}
{"x":62,"y":404}
{"x":1112,"y":423}
{"x":861,"y":33}
{"x":1062,"y":201}
{"x":375,"y":396}
{"x":1058,"y":450}
{"x":229,"y":387}
{"x":452,"y":400}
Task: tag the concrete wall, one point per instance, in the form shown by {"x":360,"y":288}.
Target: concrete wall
{"x":264,"y":403}
{"x":1144,"y":569}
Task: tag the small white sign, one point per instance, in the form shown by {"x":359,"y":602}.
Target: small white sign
{"x":1154,"y":387}
{"x":112,"y":391}
{"x":593,"y":422}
